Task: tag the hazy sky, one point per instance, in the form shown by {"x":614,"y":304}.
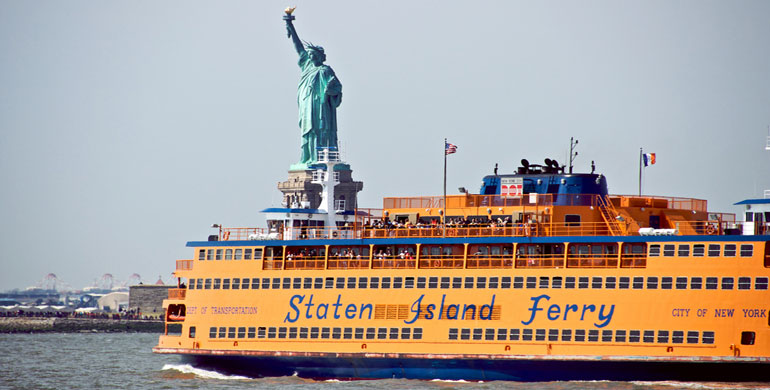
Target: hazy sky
{"x":128,"y":127}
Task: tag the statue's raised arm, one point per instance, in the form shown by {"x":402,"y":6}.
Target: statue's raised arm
{"x":292,"y":32}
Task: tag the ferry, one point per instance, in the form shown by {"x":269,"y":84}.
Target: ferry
{"x":541,"y":276}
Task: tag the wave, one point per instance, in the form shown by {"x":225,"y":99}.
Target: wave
{"x":201,"y":373}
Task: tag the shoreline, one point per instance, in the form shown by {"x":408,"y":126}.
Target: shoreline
{"x":78,"y":325}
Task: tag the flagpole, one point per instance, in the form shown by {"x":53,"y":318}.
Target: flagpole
{"x":443,"y":219}
{"x":640,"y":171}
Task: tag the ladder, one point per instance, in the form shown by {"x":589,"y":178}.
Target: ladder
{"x":610,"y":215}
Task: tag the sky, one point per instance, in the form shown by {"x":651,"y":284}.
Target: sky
{"x":129,"y":128}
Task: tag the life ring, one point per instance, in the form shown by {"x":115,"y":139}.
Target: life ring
{"x":226,"y":236}
{"x":711,"y":229}
{"x":436,"y":263}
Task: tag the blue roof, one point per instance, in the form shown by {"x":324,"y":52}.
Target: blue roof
{"x":302,"y":211}
{"x":753,"y":201}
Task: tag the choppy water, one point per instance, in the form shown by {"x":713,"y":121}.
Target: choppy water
{"x":125,"y":361}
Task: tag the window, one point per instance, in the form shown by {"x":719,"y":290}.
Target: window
{"x":477,"y":333}
{"x":663,"y":336}
{"x":210,"y":254}
{"x":624,"y":282}
{"x":213,"y":332}
{"x":261,"y":332}
{"x":515,"y":334}
{"x":236,"y":283}
{"x":553,"y":335}
{"x":241,"y":332}
{"x":363,"y":282}
{"x":609,"y":282}
{"x":654,"y":250}
{"x":531,"y":282}
{"x":208,"y":284}
{"x":638,"y":282}
{"x":445,"y":282}
{"x":217,"y":283}
{"x":518,"y":282}
{"x":666,"y":282}
{"x":481,"y":282}
{"x":293,"y":332}
{"x":433,"y":282}
{"x":468,"y":282}
{"x":325,"y":332}
{"x":505,"y":282}
{"x":583,"y":282}
{"x":649,"y":336}
{"x":634,"y":336}
{"x":393,"y":334}
{"x":714,"y":250}
{"x":684,"y":250}
{"x":747,"y":250}
{"x":692,"y":337}
{"x":314,"y":332}
{"x":247,"y":254}
{"x":258,"y":254}
{"x":540,"y":334}
{"x":287,"y":283}
{"x":374,"y":282}
{"x":238,"y":254}
{"x":620,"y":336}
{"x":252,"y":332}
{"x":669,"y":250}
{"x":747,"y":338}
{"x":303,"y":332}
{"x":398,"y":282}
{"x":254,"y":284}
{"x":277,"y":283}
{"x":229,"y":254}
{"x":493,"y":282}
{"x":596,"y":282}
{"x":696,"y":283}
{"x":359,"y":333}
{"x":712,"y":283}
{"x":556,"y":282}
{"x":760,"y":283}
{"x":282,"y":332}
{"x":593,"y":335}
{"x":409,"y":282}
{"x":744,"y":283}
{"x":572,"y":220}
{"x":652,"y":282}
{"x":417,"y":334}
{"x":465,"y":334}
{"x":526,"y":335}
{"x":727,"y":283}
{"x":201,"y":254}
{"x":453,"y":333}
{"x":543,"y":282}
{"x":307,"y":283}
{"x":698,"y":250}
{"x":569,"y":282}
{"x":708,"y":337}
{"x":336,"y":333}
{"x":347,"y":333}
{"x":370,"y":333}
{"x":406,"y":333}
{"x":231,"y":332}
{"x":457,"y":282}
{"x":386,"y":282}
{"x":606,"y":336}
{"x":566,"y":335}
{"x":340,"y":282}
{"x":580,"y":335}
{"x":502,"y":334}
{"x":219,"y":254}
{"x":730,"y":250}
{"x":351,"y":282}
{"x":677,"y":337}
{"x":192,"y":284}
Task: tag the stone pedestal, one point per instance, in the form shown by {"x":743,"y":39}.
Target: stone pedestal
{"x":299,"y":191}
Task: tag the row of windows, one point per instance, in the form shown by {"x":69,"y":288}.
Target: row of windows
{"x":580,"y":335}
{"x":669,"y":250}
{"x":315,"y":333}
{"x":699,"y":250}
{"x":468,"y":282}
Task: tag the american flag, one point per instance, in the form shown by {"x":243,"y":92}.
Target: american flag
{"x":449,"y":148}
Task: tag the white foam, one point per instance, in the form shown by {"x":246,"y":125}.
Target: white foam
{"x":705,"y":385}
{"x":450,"y":381}
{"x":199,"y":372}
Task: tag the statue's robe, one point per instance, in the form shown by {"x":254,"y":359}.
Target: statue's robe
{"x":319,"y":93}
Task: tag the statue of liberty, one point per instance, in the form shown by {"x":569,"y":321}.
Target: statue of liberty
{"x":319,"y":93}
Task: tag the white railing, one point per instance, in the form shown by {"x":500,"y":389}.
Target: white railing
{"x":767,"y":146}
{"x":767,"y":194}
{"x":325,"y":155}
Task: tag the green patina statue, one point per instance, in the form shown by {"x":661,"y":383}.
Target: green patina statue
{"x":319,"y":93}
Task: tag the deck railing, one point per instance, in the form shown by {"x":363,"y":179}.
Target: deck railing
{"x":177,"y":293}
{"x":184,"y":264}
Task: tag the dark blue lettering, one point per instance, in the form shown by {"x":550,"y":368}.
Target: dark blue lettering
{"x":299,"y":298}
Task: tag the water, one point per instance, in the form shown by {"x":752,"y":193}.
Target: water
{"x":125,"y":361}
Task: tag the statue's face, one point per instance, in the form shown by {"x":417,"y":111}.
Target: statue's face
{"x":315,"y":57}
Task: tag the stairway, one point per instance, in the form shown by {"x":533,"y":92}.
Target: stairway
{"x":610,"y":215}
